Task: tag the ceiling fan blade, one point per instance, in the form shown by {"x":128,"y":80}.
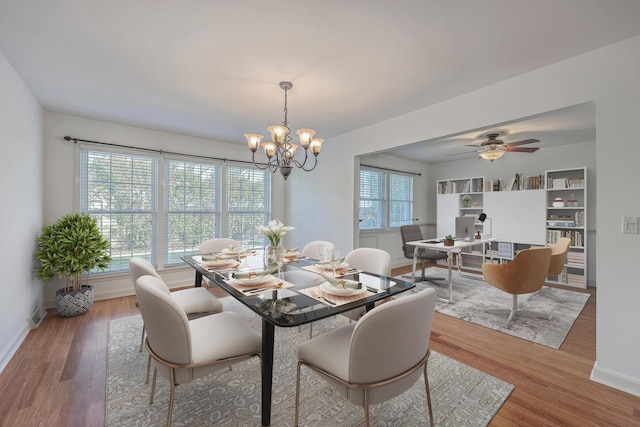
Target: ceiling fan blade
{"x":457,"y":154}
{"x":522,"y":149}
{"x":523,"y":142}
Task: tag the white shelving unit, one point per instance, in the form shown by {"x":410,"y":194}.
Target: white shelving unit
{"x":521,"y":218}
{"x":568,"y":219}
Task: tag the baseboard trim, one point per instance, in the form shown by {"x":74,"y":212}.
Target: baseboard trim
{"x":615,"y":380}
{"x":9,"y":351}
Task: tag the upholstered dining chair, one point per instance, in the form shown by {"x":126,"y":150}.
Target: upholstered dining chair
{"x":371,"y":260}
{"x":183,"y":349}
{"x":525,"y":273}
{"x":217,"y":244}
{"x":196,"y":302}
{"x":377,"y":358}
{"x":315,"y":249}
{"x":559,"y":253}
{"x":412,"y":233}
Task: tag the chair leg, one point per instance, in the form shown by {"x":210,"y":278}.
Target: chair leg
{"x":171,"y":396}
{"x":426,"y":384}
{"x":310,"y":330}
{"x":546,"y":291}
{"x":297,"y":394}
{"x":366,"y":407}
{"x":146,"y":381}
{"x":153,"y":385}
{"x":142,"y":339}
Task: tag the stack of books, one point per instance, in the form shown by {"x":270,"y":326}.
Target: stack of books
{"x":575,"y":279}
{"x":561,"y":221}
{"x":575,"y":259}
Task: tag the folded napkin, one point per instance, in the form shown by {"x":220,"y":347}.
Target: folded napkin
{"x":251,"y":274}
{"x":343,"y":283}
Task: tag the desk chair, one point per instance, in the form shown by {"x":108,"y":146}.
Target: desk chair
{"x":412,"y":233}
{"x":524,"y":274}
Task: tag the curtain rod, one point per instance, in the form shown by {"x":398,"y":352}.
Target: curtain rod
{"x":152,"y":150}
{"x":391,"y":170}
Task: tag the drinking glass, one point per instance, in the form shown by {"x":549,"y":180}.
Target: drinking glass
{"x":335,"y":260}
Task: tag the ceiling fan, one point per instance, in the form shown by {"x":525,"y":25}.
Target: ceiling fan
{"x":493,"y":148}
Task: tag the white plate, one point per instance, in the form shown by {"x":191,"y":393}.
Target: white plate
{"x":330,"y":289}
{"x":259,"y":280}
{"x":291,"y":254}
{"x":222,"y":263}
{"x":328,"y":267}
{"x":230,"y":251}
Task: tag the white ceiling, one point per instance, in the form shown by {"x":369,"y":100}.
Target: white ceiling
{"x":211,"y":68}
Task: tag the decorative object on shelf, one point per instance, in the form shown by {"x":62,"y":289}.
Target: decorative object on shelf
{"x":274,"y":252}
{"x":70,"y":249}
{"x":466,"y":198}
{"x":448,"y":240}
{"x":558,"y":203}
{"x":280,"y":150}
{"x":478,"y":236}
{"x":572,"y":201}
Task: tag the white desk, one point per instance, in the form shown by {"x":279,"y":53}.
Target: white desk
{"x":436,"y":245}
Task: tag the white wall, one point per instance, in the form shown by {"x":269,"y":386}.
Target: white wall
{"x":61,"y":198}
{"x":608,"y":76}
{"x":21,"y":211}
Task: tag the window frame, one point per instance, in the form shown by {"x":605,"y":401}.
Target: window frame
{"x":387,"y":200}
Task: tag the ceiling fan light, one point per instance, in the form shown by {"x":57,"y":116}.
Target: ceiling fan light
{"x":491,"y":155}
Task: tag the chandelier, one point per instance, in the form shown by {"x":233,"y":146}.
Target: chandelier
{"x":280,"y":150}
{"x":493,"y":152}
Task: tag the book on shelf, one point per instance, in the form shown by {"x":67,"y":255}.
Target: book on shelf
{"x":575,"y":279}
{"x":576,"y":182}
{"x":559,"y":183}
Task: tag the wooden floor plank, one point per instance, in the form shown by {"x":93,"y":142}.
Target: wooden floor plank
{"x":64,"y":362}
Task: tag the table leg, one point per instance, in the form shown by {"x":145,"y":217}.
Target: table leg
{"x":198,"y":279}
{"x":413,"y":270}
{"x":268,"y":336}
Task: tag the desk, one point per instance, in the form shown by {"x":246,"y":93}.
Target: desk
{"x":458,"y":245}
{"x":300,"y":309}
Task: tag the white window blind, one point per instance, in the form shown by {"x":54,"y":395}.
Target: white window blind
{"x":373,"y":193}
{"x":386,"y":199}
{"x":120,"y":191}
{"x":248,"y":204}
{"x":192,"y":207}
{"x":400,"y":200}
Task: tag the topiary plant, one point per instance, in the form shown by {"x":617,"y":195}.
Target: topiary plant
{"x":72,"y":246}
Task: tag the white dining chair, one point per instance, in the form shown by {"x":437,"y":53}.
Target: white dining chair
{"x":317,"y":248}
{"x":196,"y":302}
{"x":377,"y":358}
{"x":183,"y":349}
{"x":214,"y":245}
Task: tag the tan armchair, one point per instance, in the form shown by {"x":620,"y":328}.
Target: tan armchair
{"x":377,"y":358}
{"x":559,"y":253}
{"x":525,"y":274}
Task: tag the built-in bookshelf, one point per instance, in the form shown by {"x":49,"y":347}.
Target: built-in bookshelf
{"x":521,"y":214}
{"x":566,"y":217}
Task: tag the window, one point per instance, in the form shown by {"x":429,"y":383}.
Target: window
{"x":248,"y":204}
{"x":386,"y":199}
{"x":192,"y":206}
{"x":119,"y":190}
{"x":200,"y":200}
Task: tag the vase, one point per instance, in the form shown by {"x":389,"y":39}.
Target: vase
{"x":273,"y":255}
{"x":74,"y":303}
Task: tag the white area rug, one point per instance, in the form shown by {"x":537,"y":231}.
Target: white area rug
{"x":471,"y":297}
{"x":462,"y":396}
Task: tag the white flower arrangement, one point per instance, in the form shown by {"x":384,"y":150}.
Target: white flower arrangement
{"x":275,"y":230}
{"x":466,"y":197}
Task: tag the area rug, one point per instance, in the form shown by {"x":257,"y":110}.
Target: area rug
{"x":471,"y":297}
{"x":461,"y":395}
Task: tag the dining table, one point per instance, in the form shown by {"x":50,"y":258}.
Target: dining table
{"x":298,"y":293}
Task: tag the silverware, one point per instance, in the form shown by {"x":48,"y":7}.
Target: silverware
{"x":327,"y":300}
{"x":260,"y":290}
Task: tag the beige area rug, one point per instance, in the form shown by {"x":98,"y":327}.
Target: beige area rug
{"x":471,"y":297}
{"x":462,"y":396}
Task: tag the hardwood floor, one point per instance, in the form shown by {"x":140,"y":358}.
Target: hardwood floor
{"x":57,"y":377}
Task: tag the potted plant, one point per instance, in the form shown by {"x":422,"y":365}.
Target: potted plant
{"x":466,"y":198}
{"x":70,"y":249}
{"x":448,"y":240}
